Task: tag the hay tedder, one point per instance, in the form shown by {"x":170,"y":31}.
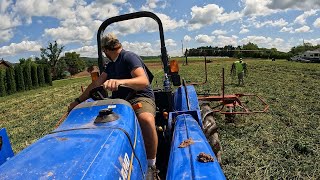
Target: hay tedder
{"x":101,"y":139}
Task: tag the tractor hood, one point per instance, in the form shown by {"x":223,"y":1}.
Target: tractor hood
{"x":82,"y":149}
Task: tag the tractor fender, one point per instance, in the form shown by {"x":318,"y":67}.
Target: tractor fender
{"x":6,"y":151}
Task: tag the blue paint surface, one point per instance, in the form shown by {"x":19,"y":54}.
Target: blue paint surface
{"x":81,"y":149}
{"x":180,"y":100}
{"x":186,"y":123}
{"x":5,"y":150}
{"x":183,"y":163}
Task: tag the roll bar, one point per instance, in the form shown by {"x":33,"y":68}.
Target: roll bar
{"x":106,"y":23}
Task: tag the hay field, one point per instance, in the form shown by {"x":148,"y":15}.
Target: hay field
{"x":281,"y":144}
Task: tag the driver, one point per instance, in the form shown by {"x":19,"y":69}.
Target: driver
{"x":127,"y":69}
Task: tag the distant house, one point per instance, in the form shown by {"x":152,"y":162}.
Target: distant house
{"x":4,"y":64}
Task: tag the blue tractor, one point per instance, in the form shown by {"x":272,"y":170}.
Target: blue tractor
{"x":102,"y":139}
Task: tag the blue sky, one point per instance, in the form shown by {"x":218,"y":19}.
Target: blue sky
{"x":28,"y":25}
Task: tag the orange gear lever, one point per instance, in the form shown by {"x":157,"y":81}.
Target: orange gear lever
{"x":137,"y":106}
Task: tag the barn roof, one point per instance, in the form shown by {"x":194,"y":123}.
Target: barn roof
{"x":8,"y":64}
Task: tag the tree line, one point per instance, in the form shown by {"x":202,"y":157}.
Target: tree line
{"x":36,"y":72}
{"x":23,"y":77}
{"x":250,"y":50}
{"x":61,"y":67}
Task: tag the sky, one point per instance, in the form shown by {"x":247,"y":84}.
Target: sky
{"x":28,"y":25}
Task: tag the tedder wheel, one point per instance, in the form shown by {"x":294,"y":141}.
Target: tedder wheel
{"x":210,"y":130}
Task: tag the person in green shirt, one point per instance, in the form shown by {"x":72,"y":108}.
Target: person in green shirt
{"x":239,"y":68}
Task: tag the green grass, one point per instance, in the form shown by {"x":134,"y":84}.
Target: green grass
{"x":281,"y":144}
{"x":29,"y":115}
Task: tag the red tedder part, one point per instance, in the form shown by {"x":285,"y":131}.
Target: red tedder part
{"x":231,"y":104}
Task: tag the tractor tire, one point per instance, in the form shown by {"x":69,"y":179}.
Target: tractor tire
{"x":210,"y":129}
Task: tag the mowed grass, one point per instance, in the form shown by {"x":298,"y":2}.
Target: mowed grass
{"x":283,"y":143}
{"x":27,"y":116}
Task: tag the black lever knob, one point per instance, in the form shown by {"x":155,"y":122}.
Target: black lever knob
{"x":105,"y":112}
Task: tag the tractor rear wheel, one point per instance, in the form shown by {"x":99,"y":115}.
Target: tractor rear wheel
{"x":210,"y":130}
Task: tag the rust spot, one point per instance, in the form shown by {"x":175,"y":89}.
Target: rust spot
{"x":62,"y":138}
{"x":50,"y":174}
{"x":203,"y":157}
{"x":186,"y":143}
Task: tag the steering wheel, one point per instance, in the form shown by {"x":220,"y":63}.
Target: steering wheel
{"x":98,"y":93}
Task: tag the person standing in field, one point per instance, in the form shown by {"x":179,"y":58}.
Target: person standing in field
{"x":239,"y":68}
{"x":127,"y":69}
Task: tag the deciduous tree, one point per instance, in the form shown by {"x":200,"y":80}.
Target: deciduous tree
{"x":51,"y":55}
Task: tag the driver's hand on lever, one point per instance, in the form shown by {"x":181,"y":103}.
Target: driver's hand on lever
{"x":112,"y":84}
{"x":86,"y":94}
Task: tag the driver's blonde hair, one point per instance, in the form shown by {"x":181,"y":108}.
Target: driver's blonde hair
{"x":110,"y":42}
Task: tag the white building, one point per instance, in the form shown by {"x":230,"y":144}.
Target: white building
{"x":308,"y":56}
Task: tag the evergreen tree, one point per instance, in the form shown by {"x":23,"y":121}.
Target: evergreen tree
{"x":2,"y":83}
{"x":34,"y":76}
{"x":10,"y":80}
{"x":47,"y":75}
{"x":27,"y":76}
{"x":41,"y":78}
{"x":19,"y":77}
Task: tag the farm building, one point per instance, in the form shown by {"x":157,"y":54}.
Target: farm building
{"x":4,"y":64}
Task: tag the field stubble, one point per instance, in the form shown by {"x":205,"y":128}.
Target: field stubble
{"x":281,"y":144}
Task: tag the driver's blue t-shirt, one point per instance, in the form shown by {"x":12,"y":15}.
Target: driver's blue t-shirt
{"x":121,"y":69}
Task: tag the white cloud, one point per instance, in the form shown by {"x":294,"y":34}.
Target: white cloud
{"x":205,"y":15}
{"x":267,"y":42}
{"x":209,"y":14}
{"x":86,"y":51}
{"x":101,"y":2}
{"x":140,"y":48}
{"x":79,"y":21}
{"x":219,"y":32}
{"x":204,"y":39}
{"x":303,"y":29}
{"x":267,"y":7}
{"x":8,"y":21}
{"x":277,"y":41}
{"x":257,"y":7}
{"x":259,"y":40}
{"x":302,"y":18}
{"x":65,"y":35}
{"x":24,"y":46}
{"x":170,"y":42}
{"x":187,"y":38}
{"x":313,"y":41}
{"x":152,"y":4}
{"x":317,"y":23}
{"x":60,"y":9}
{"x":147,"y":25}
{"x":280,"y":23}
{"x":170,"y":24}
{"x":4,"y":4}
{"x":222,"y":41}
{"x":232,"y":16}
{"x":5,"y":35}
{"x":293,"y":4}
{"x":133,"y":26}
{"x":289,"y":29}
{"x":244,"y":30}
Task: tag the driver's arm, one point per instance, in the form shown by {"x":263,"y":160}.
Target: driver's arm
{"x":86,"y":94}
{"x":139,"y":81}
